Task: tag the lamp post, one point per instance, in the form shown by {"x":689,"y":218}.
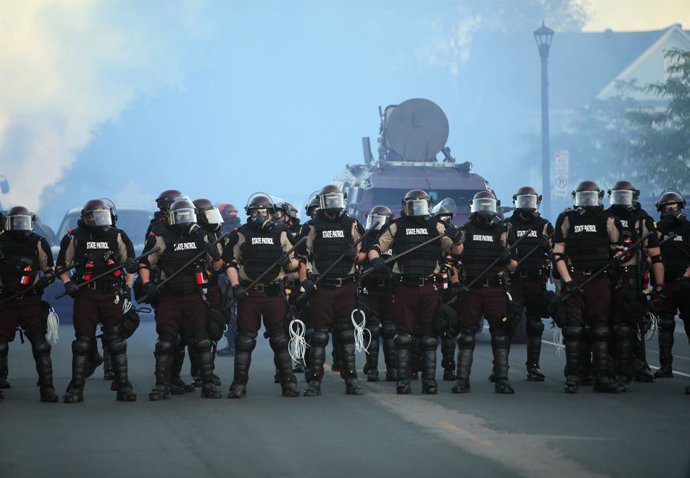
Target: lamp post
{"x":543,"y":36}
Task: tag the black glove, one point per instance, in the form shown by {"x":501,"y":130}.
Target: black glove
{"x":308,"y":286}
{"x":212,"y":250}
{"x":571,"y":288}
{"x":452,"y":232}
{"x":544,"y":242}
{"x":238,"y":292}
{"x":504,"y":257}
{"x":71,"y":288}
{"x":44,"y":282}
{"x":131,"y":265}
{"x":284,"y":261}
{"x":151,"y":291}
{"x":126,"y":293}
{"x":379,"y":264}
{"x":350,"y":254}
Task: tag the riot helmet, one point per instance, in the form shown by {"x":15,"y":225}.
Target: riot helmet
{"x":378,"y":217}
{"x":113,"y":210}
{"x":312,"y":204}
{"x":527,"y":199}
{"x":623,"y":193}
{"x":229,"y":213}
{"x":288,"y":212}
{"x":259,"y":209}
{"x":332,"y":199}
{"x":182,"y":214}
{"x":587,"y":195}
{"x":207,"y":214}
{"x":19,"y":220}
{"x":416,"y":203}
{"x":167,"y":198}
{"x":484,"y":202}
{"x":96,"y":214}
{"x":670,"y":203}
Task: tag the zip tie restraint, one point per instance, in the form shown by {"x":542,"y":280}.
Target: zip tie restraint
{"x":360,"y":331}
{"x":297,"y":348}
{"x":53,"y":326}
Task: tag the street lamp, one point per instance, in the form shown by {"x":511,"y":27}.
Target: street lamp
{"x":543,"y":36}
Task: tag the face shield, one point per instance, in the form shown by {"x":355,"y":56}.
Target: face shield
{"x":483,"y":205}
{"x":376,"y":221}
{"x":212,"y":216}
{"x":98,"y":217}
{"x":332,"y":201}
{"x":622,"y":197}
{"x":182,"y":216}
{"x":526,"y":201}
{"x":444,"y":209}
{"x":18,"y":223}
{"x":587,"y":199}
{"x":670,"y":210}
{"x":417,"y":207}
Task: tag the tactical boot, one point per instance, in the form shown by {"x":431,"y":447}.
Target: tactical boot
{"x":645,"y":375}
{"x":501,"y":349}
{"x":179,"y":387}
{"x":74,"y":393}
{"x":317,"y":357}
{"x":666,"y":328}
{"x":164,"y":361}
{"x":80,"y":364}
{"x":403,"y":342}
{"x":533,"y":353}
{"x":349,"y":371}
{"x":604,"y":384}
{"x":48,"y":394}
{"x":352,"y":387}
{"x":279,"y":342}
{"x":372,"y":356}
{"x":44,"y":367}
{"x":116,"y":348}
{"x":238,"y":388}
{"x":160,"y":392}
{"x":313,"y":388}
{"x":209,"y":390}
{"x":125,"y":393}
{"x":428,"y":345}
{"x":289,"y":389}
{"x":602,"y":381}
{"x":571,"y":384}
{"x":371,"y":373}
{"x":466,"y":342}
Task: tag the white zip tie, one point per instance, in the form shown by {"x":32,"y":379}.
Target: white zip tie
{"x":558,"y":340}
{"x":297,"y":347}
{"x":360,"y":331}
{"x":653,"y":327}
{"x":53,"y":324}
{"x":126,"y":305}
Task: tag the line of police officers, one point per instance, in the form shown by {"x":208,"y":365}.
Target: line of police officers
{"x":278,"y":269}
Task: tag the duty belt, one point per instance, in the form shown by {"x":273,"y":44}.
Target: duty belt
{"x":489,"y":282}
{"x":529,"y":275}
{"x":416,"y":281}
{"x":335,"y":282}
{"x":101,"y":286}
{"x":376,"y":283}
{"x":586,"y":272}
{"x":270,"y":288}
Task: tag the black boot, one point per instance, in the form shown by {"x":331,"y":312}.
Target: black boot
{"x":466,"y":342}
{"x":317,"y":357}
{"x":500,"y":345}
{"x":202,"y":348}
{"x":117,"y":349}
{"x":428,"y":345}
{"x":288,"y":382}
{"x":371,"y":367}
{"x":535,"y":329}
{"x":44,"y":367}
{"x":572,"y":335}
{"x":644,"y":372}
{"x":165,"y":349}
{"x":625,"y":369}
{"x":349,"y":370}
{"x":95,"y":358}
{"x":388,"y":334}
{"x":448,"y":358}
{"x":600,"y":353}
{"x":80,"y":364}
{"x":403,"y":343}
{"x":244,"y":345}
{"x":667,"y":326}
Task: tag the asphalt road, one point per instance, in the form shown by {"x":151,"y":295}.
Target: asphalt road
{"x":538,"y":432}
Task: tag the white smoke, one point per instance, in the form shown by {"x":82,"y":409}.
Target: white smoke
{"x":451,"y":42}
{"x":68,"y":67}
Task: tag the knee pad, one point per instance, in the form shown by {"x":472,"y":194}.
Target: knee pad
{"x":388,"y":330}
{"x":245,"y":342}
{"x":164,"y":347}
{"x":466,"y":339}
{"x":38,"y":347}
{"x":572,"y":332}
{"x":114,"y":341}
{"x":319,"y":338}
{"x":81,"y":345}
{"x":403,"y":340}
{"x":279,"y":339}
{"x":534,"y":327}
{"x":4,"y":347}
{"x":428,"y":342}
{"x":601,"y":333}
{"x":667,"y":324}
{"x":500,"y":340}
{"x":623,"y":331}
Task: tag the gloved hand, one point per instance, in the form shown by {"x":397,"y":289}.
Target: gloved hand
{"x":308,"y":286}
{"x":44,"y":282}
{"x":151,"y":291}
{"x":570,"y":288}
{"x":284,"y":261}
{"x":378,"y":264}
{"x":350,"y":254}
{"x":504,"y":257}
{"x":212,"y":250}
{"x":131,"y":265}
{"x":544,"y":242}
{"x":239,"y":292}
{"x":71,"y":288}
{"x":452,"y":232}
{"x":126,"y":293}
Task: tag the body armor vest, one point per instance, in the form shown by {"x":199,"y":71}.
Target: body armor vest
{"x":96,"y":252}
{"x":587,"y":242}
{"x":180,"y":248}
{"x":333,"y":238}
{"x":534,"y":230}
{"x":20,"y":264}
{"x":411,"y":232}
{"x":675,"y":251}
{"x":260,"y":251}
{"x":481,"y":247}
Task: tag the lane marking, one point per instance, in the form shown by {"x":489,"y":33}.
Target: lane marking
{"x":469,"y":435}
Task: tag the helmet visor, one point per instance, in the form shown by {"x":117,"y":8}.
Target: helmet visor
{"x":332,"y":201}
{"x":587,"y":199}
{"x":98,"y":217}
{"x":183,"y":215}
{"x":622,"y":197}
{"x":19,"y":223}
{"x":212,"y":216}
{"x":447,"y":207}
{"x":526,"y":201}
{"x":483,"y":204}
{"x":417,"y":207}
{"x":376,"y":221}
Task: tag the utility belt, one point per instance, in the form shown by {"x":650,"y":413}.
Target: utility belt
{"x":495,"y":281}
{"x":587,"y":272}
{"x":270,"y":288}
{"x":374,"y":283}
{"x":528,"y":275}
{"x":335,"y":282}
{"x":30,"y":293}
{"x":415,"y":281}
{"x":101,"y":286}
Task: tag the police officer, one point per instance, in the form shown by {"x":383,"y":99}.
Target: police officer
{"x":378,"y":293}
{"x":181,"y":309}
{"x":24,"y":256}
{"x":231,"y":221}
{"x":528,"y":283}
{"x":629,"y":303}
{"x":331,"y":237}
{"x":255,"y":247}
{"x":93,"y":248}
{"x":584,"y":240}
{"x":415,"y":297}
{"x":484,"y":238}
{"x":675,"y":248}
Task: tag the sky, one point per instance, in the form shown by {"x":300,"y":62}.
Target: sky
{"x":221,"y":99}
